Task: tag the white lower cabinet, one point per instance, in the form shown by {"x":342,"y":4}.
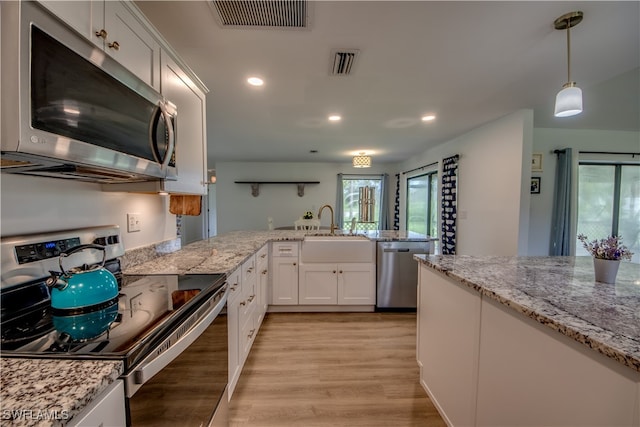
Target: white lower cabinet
{"x":243,"y":315}
{"x":284,"y":268}
{"x":483,"y":364}
{"x":262,"y":284}
{"x":343,"y":284}
{"x":233,"y":325}
{"x":106,"y":410}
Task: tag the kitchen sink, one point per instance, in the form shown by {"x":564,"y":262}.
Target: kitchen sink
{"x":337,"y":248}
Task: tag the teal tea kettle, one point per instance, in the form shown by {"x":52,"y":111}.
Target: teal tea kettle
{"x":82,"y":288}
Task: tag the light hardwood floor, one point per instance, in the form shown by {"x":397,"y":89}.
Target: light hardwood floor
{"x":333,"y":369}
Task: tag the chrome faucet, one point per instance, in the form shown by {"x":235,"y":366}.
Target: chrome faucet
{"x":333,"y":225}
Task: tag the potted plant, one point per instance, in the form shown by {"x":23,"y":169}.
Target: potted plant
{"x":606,"y":254}
{"x":308,"y":215}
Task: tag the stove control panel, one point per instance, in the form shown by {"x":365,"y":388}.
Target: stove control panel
{"x":44,"y":250}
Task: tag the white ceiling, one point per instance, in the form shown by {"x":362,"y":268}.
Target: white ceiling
{"x":466,"y":62}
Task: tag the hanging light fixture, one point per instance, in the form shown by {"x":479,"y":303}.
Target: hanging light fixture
{"x":362,"y":161}
{"x":569,"y":99}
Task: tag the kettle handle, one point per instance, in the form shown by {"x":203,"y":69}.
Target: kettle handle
{"x":81,"y":248}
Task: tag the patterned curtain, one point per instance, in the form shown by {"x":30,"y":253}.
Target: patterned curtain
{"x":396,"y":205}
{"x":449,"y":204}
{"x":560,"y":244}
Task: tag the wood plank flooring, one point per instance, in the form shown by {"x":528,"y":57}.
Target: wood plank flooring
{"x":333,"y":369}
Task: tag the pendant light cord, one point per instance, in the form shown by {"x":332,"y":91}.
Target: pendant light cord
{"x":569,"y":53}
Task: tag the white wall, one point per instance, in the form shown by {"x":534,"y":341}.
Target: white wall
{"x":237,"y":209}
{"x":30,"y":204}
{"x":547,"y":140}
{"x":493,"y":185}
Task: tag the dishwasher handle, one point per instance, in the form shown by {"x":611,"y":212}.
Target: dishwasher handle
{"x":417,"y":251}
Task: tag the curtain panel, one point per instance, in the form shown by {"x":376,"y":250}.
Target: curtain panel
{"x":449,"y":204}
{"x":560,"y":242}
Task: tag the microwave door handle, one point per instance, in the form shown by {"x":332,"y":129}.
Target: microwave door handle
{"x":172,"y":142}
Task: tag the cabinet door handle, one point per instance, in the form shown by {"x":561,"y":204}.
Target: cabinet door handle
{"x":249,"y":270}
{"x":115,"y":45}
{"x":334,"y":272}
{"x":253,"y":331}
{"x":102,"y":34}
{"x":251,"y":298}
{"x":340,"y":272}
{"x":264,"y":271}
{"x":243,"y":303}
{"x":294,"y":264}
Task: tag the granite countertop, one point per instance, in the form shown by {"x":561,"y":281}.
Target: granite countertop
{"x":48,"y":392}
{"x":224,"y":253}
{"x":561,"y":293}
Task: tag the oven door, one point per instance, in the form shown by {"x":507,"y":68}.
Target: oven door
{"x":184,"y":383}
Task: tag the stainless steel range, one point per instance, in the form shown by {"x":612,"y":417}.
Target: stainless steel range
{"x":164,"y":328}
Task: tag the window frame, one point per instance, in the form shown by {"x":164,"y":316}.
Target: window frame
{"x":379,"y":190}
{"x":617,"y":185}
{"x":431,"y":175}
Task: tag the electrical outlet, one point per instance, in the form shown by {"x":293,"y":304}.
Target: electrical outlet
{"x":133,"y":222}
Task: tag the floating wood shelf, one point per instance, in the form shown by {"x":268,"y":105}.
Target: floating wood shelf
{"x":255,"y":185}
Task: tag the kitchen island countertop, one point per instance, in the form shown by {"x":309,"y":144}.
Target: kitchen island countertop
{"x":50,"y":392}
{"x":224,"y":253}
{"x":561,"y":293}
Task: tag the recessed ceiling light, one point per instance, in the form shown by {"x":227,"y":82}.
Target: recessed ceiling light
{"x":335,"y":118}
{"x":255,"y":81}
{"x":428,"y":118}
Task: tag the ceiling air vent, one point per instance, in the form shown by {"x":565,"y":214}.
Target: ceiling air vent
{"x":343,"y":61}
{"x":262,"y":13}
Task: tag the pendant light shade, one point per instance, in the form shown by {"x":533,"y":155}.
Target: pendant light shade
{"x":569,"y":99}
{"x":568,"y":102}
{"x":361,"y":161}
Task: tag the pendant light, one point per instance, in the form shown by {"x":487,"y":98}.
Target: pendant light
{"x":569,"y":99}
{"x":361,"y":161}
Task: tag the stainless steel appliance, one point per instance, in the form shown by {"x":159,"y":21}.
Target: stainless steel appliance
{"x":397,"y":274}
{"x":170,"y":331}
{"x":71,"y":111}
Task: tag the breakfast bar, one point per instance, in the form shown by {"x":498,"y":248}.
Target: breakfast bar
{"x":529,"y":340}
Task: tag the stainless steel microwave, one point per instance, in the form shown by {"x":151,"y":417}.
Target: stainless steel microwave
{"x":71,"y":111}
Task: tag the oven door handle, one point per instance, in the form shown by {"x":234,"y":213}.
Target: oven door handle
{"x":149,"y":369}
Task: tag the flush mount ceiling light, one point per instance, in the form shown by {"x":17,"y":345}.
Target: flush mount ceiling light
{"x":428,"y":118}
{"x":362,"y":161}
{"x":335,"y":118}
{"x":255,"y":81}
{"x":569,"y":99}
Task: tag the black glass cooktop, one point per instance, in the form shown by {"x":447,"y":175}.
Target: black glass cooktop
{"x":148,"y":307}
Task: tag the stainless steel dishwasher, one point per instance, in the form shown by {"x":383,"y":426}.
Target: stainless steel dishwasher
{"x":397,"y":274}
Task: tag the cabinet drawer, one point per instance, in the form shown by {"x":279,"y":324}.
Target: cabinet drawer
{"x":235,"y":288}
{"x":285,"y":249}
{"x":262,"y":254}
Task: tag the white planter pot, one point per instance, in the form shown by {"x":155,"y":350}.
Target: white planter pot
{"x":606,"y":270}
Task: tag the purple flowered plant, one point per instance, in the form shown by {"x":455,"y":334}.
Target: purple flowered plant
{"x":609,"y":248}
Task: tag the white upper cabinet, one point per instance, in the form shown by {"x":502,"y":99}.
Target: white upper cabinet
{"x":119,"y":29}
{"x":191,"y":148}
{"x":130,"y":43}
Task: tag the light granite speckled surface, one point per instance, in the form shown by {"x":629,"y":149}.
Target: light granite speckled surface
{"x":561,"y":293}
{"x":224,"y":253}
{"x":47,"y":392}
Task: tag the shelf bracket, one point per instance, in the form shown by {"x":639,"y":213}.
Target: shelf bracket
{"x":300,"y":189}
{"x":255,"y":189}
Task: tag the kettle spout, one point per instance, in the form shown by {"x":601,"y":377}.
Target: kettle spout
{"x":55,"y":281}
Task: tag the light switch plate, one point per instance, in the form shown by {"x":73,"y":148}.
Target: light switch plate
{"x":133,"y":222}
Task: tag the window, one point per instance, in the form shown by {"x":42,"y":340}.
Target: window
{"x":422,"y":204}
{"x":609,"y":204}
{"x":351,"y":185}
